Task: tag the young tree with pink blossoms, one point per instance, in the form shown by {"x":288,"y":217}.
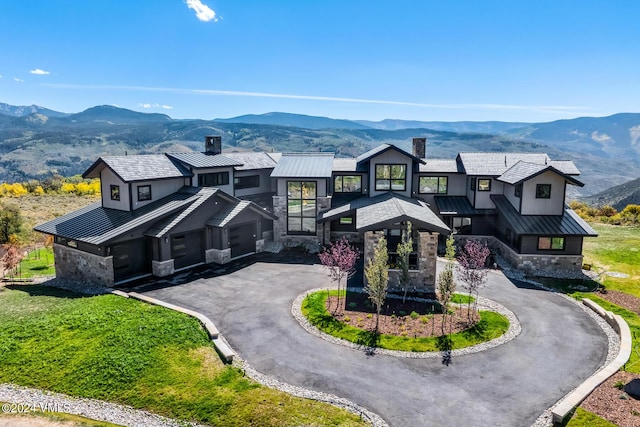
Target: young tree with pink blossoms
{"x":340,"y":259}
{"x":472,"y":269}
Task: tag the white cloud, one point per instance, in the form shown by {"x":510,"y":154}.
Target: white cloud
{"x":39,"y":72}
{"x":565,"y":109}
{"x":148,"y":105}
{"x":203,"y":12}
{"x":18,"y":80}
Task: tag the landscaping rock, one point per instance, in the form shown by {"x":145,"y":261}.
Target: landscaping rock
{"x":633,"y":388}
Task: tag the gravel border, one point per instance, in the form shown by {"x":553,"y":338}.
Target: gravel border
{"x":374,"y":419}
{"x":30,"y":400}
{"x":483,"y":303}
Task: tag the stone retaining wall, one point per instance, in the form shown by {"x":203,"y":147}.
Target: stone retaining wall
{"x":79,"y":265}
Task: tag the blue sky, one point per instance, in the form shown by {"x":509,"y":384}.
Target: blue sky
{"x":406,"y":59}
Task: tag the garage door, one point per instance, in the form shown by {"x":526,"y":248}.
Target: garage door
{"x":130,"y":259}
{"x":187,"y":249}
{"x":242,"y":239}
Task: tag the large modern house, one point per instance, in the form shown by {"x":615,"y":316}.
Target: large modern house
{"x":162,"y":213}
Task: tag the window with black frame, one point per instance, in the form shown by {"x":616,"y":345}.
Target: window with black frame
{"x":347,"y":184}
{"x":301,"y":207}
{"x":213,"y":179}
{"x":391,"y":177}
{"x":432,"y":185}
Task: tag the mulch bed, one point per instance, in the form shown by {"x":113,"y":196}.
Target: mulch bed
{"x":608,"y":401}
{"x":627,"y":301}
{"x":613,"y":404}
{"x":396,"y":318}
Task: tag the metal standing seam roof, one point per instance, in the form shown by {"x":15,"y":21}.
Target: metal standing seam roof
{"x":459,"y":205}
{"x":142,"y":167}
{"x":225,"y":216}
{"x":304,"y":165}
{"x":495,"y":164}
{"x":344,"y":165}
{"x":252,"y":160}
{"x":97,"y":225}
{"x":371,"y":211}
{"x":568,"y":224}
{"x":202,"y":160}
{"x":522,"y":171}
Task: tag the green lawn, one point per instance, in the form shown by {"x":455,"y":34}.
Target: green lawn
{"x":617,"y":249}
{"x":38,"y":262}
{"x":122,"y":350}
{"x":491,"y":325}
{"x":583,"y":418}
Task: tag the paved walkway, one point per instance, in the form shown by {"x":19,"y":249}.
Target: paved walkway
{"x":510,"y":385}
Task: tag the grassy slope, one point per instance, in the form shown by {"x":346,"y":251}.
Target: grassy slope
{"x":121,"y":350}
{"x":616,"y":248}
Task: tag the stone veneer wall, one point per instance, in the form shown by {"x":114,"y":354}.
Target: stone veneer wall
{"x":529,"y":263}
{"x":219,"y":256}
{"x":280,"y":225}
{"x":162,"y":268}
{"x":423,"y":279}
{"x":78,"y":265}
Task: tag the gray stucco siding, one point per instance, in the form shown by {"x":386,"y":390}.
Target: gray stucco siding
{"x":107,"y":179}
{"x":551,"y":206}
{"x":509,"y":193}
{"x":159,"y":189}
{"x":483,"y":198}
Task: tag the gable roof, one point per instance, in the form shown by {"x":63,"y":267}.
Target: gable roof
{"x":365,"y":157}
{"x":304,"y":165}
{"x":97,"y":225}
{"x":228,"y":214}
{"x":568,"y":224}
{"x":522,"y":171}
{"x":387,"y":209}
{"x":565,"y":166}
{"x":201,"y":160}
{"x":495,"y":164}
{"x":141,"y":167}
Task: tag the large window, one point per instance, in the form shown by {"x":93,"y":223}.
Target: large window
{"x":543,"y":191}
{"x":251,"y":181}
{"x":391,"y":177}
{"x":551,"y":243}
{"x":115,"y":192}
{"x":214,"y":179}
{"x":461,"y":225}
{"x":433,"y":184}
{"x":301,"y":207}
{"x":347,"y":184}
{"x":144,"y":193}
{"x":484,"y":184}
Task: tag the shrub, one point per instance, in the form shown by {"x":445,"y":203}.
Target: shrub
{"x":414,"y":315}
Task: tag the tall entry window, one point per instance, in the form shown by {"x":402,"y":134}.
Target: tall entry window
{"x":391,"y":177}
{"x":301,"y":207}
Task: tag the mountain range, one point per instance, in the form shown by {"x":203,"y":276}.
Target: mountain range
{"x":36,"y":142}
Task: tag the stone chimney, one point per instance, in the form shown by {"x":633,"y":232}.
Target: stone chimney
{"x":420,"y":147}
{"x":212,"y":145}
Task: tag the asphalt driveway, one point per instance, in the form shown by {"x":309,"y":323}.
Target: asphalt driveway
{"x":510,"y":385}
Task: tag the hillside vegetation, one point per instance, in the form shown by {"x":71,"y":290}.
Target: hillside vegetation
{"x":42,"y":143}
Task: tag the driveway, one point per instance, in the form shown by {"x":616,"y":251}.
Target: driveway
{"x":510,"y":385}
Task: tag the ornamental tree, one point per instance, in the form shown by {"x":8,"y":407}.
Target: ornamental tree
{"x":340,"y":259}
{"x":446,"y":282}
{"x":377,"y":273}
{"x":11,"y":259}
{"x":405,"y":247}
{"x":472,"y":269}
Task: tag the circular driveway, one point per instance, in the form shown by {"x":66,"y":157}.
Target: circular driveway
{"x":510,"y":385}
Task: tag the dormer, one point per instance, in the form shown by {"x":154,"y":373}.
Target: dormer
{"x":389,"y":169}
{"x":538,"y":189}
{"x":130,"y":182}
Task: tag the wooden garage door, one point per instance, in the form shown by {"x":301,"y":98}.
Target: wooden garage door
{"x":242,"y":239}
{"x":130,"y":259}
{"x":187,"y":249}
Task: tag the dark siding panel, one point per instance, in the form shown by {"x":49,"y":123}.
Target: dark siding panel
{"x":242,"y":239}
{"x":130,"y":259}
{"x":187,"y":248}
